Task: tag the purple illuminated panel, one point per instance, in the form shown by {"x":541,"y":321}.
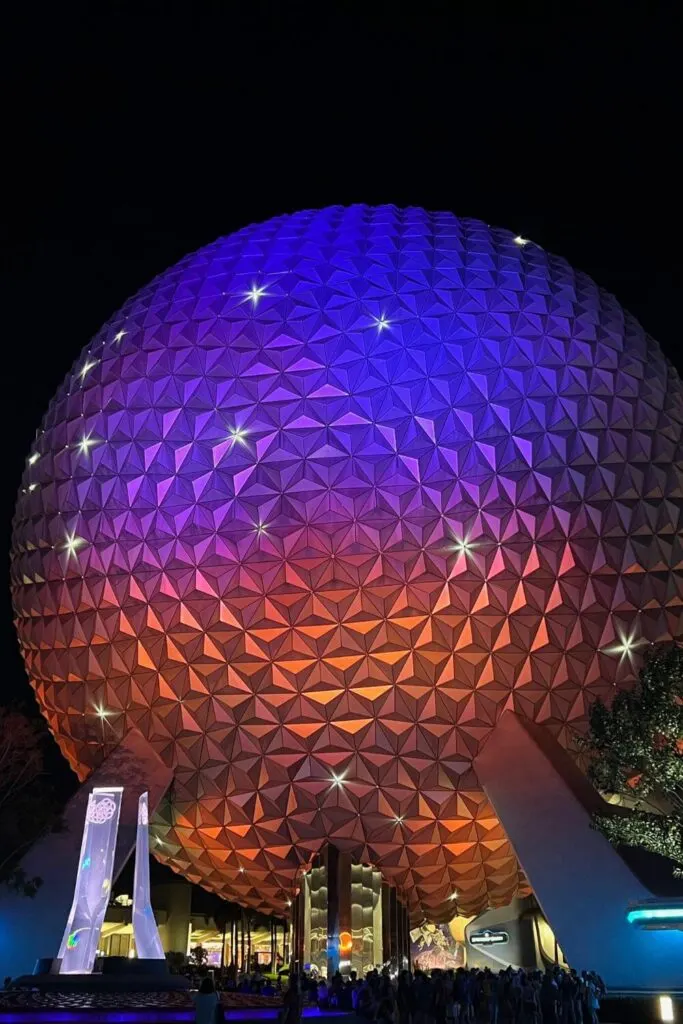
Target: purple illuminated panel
{"x":93,"y":882}
{"x":145,"y":932}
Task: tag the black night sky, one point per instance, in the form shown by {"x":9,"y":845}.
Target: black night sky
{"x":135,"y":132}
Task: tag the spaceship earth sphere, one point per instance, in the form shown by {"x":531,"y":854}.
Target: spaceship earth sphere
{"x":317,"y":506}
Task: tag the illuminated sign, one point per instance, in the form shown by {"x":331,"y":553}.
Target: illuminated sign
{"x":487,"y":937}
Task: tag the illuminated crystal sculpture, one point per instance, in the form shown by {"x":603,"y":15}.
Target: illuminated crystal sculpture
{"x":93,"y":882}
{"x":317,"y":505}
{"x":145,"y":932}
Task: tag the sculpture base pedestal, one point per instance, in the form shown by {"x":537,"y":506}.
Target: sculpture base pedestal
{"x":118,"y":974}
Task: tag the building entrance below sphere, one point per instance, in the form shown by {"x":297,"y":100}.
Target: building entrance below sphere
{"x":347,"y":918}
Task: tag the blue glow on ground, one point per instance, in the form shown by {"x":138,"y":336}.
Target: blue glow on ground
{"x":148,"y":1016}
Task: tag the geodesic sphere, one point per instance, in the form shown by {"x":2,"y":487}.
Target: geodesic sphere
{"x":319,"y":504}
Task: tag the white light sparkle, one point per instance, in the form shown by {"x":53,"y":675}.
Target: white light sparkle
{"x":238,"y":435}
{"x":32,"y":459}
{"x":72,"y":543}
{"x":118,"y":337}
{"x":32,"y":487}
{"x":86,"y":443}
{"x":520,"y":241}
{"x":338,"y":779}
{"x":256,"y":293}
{"x":86,"y":368}
{"x":463,"y":545}
{"x":626,"y":645}
{"x":382,"y":322}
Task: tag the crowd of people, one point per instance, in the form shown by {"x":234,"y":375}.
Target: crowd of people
{"x":229,"y":980}
{"x":462,"y":996}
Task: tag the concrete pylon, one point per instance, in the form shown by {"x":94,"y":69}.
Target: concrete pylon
{"x":33,"y":928}
{"x":581,"y":882}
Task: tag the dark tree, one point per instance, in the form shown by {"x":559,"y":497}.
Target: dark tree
{"x":176,"y":962}
{"x":635,"y":747}
{"x":28,"y":808}
{"x":199,"y":956}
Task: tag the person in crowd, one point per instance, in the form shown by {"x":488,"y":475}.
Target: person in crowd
{"x":365,"y":1006}
{"x":423,"y":999}
{"x":591,"y":986}
{"x":206,"y":1003}
{"x":530,"y":992}
{"x":549,"y":997}
{"x":323,"y":995}
{"x":291,"y":1003}
{"x":404,"y":997}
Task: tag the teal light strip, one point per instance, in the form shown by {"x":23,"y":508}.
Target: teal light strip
{"x":655,"y":914}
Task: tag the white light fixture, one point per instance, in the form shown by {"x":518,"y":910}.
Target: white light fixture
{"x":32,"y":487}
{"x":520,"y":240}
{"x":453,"y":897}
{"x":666,"y":1009}
{"x":256,"y":293}
{"x":32,"y":459}
{"x":398,"y":819}
{"x":102,"y":712}
{"x":238,"y":434}
{"x":119,"y":336}
{"x":382,"y":323}
{"x":338,"y":779}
